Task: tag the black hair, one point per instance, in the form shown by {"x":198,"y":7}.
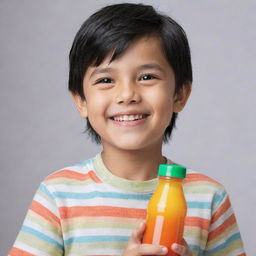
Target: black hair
{"x":115,"y":27}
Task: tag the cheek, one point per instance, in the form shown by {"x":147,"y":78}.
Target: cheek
{"x":96,"y":105}
{"x":162,"y":103}
{"x":166,"y":110}
{"x":161,"y":100}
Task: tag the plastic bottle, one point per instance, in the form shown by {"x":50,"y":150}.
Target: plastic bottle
{"x":167,"y":209}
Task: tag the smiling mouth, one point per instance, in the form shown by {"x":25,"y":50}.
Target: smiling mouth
{"x":129,"y":118}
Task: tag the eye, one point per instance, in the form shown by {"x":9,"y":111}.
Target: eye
{"x":104,"y":80}
{"x":147,"y":77}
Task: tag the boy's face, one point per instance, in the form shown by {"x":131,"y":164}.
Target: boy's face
{"x":130,"y":101}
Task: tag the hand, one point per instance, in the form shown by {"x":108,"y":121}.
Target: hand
{"x":136,"y":248}
{"x":182,"y":250}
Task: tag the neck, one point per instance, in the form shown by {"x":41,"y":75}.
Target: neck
{"x":137,"y":165}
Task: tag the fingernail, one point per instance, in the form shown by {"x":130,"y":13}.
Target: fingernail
{"x":163,"y":250}
{"x":178,"y":248}
{"x":174,"y":245}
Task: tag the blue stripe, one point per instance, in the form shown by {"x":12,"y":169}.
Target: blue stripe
{"x":224,"y":245}
{"x":91,"y":239}
{"x":200,"y":205}
{"x":94,"y":194}
{"x":42,"y":236}
{"x":218,"y":198}
{"x":196,"y":249}
{"x":84,"y":163}
{"x":43,"y":189}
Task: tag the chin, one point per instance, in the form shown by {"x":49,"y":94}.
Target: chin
{"x":133,"y":144}
{"x":131,"y":148}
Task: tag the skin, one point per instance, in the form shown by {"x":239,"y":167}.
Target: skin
{"x":126,"y":85}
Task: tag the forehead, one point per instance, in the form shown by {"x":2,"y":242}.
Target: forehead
{"x":143,"y":51}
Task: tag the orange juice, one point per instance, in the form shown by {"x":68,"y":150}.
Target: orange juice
{"x":167,"y":209}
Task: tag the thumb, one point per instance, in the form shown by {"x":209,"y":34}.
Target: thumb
{"x":137,"y":234}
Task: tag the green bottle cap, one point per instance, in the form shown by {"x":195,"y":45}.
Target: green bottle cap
{"x":172,"y":170}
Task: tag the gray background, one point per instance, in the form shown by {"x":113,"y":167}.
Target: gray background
{"x":42,"y":132}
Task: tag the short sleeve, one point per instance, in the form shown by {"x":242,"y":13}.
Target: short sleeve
{"x":41,"y":233}
{"x":224,"y":237}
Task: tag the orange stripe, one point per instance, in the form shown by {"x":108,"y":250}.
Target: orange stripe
{"x":191,"y":177}
{"x":197,"y":222}
{"x":99,"y":211}
{"x":74,"y":175}
{"x":18,"y":252}
{"x":223,"y":208}
{"x":242,"y":254}
{"x":222,"y":228}
{"x":44,"y":212}
{"x":94,"y":176}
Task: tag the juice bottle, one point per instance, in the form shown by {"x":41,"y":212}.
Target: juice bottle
{"x":167,"y":209}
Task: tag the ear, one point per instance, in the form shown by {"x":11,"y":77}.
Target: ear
{"x":181,"y":97}
{"x":80,"y":105}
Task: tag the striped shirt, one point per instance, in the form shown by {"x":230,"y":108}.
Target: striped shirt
{"x":86,"y":210}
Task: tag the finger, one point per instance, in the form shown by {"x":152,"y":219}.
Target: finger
{"x":179,"y":249}
{"x":187,"y":251}
{"x":151,"y":249}
{"x":184,"y":243}
{"x":182,"y":250}
{"x":137,"y":234}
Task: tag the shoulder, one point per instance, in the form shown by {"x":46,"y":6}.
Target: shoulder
{"x":66,"y":187}
{"x":195,"y":179}
{"x":73,"y":174}
{"x":205,"y":194}
{"x":201,"y":187}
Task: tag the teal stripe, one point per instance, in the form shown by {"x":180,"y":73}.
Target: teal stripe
{"x":218,"y":198}
{"x":43,"y":189}
{"x":92,"y":239}
{"x":84,"y":163}
{"x":199,"y":205}
{"x":42,"y":236}
{"x":196,"y":249}
{"x":116,"y":195}
{"x":94,"y":194}
{"x":224,"y":245}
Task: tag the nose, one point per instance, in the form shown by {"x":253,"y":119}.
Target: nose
{"x":128,"y":94}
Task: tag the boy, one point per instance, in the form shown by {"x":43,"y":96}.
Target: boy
{"x":130,"y":74}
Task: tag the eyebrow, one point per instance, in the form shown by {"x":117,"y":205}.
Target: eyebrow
{"x":99,"y":70}
{"x":151,"y":66}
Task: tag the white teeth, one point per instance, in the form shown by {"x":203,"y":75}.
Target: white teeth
{"x":128,"y":117}
{"x":125,"y":118}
